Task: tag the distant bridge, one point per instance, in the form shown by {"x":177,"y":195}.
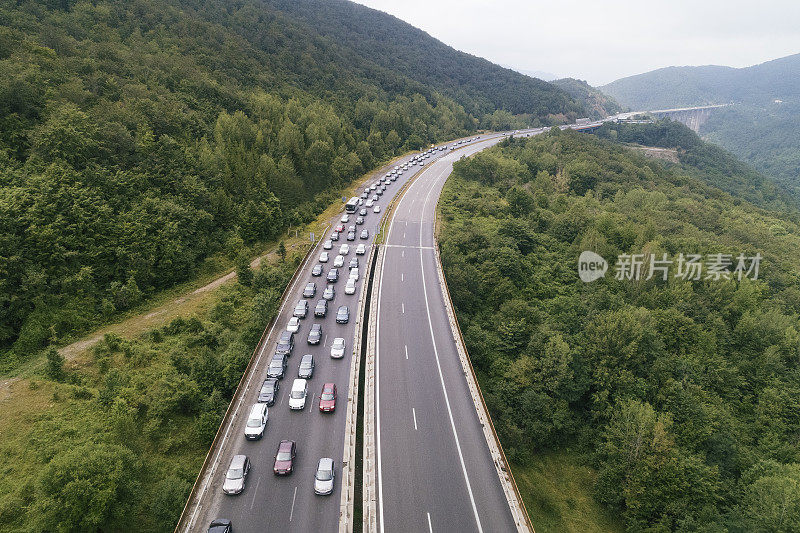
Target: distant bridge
{"x":692,"y":117}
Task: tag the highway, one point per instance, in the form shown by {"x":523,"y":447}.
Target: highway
{"x":288,"y":503}
{"x":434,"y":468}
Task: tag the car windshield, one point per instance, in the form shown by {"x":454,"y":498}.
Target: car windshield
{"x":324,"y":475}
{"x":235,"y":473}
{"x":327,"y":396}
{"x":305,"y":364}
{"x":297,"y":394}
{"x":254,"y":423}
{"x":338,"y":344}
{"x":268,"y":387}
{"x":284,"y":456}
{"x":275,"y":364}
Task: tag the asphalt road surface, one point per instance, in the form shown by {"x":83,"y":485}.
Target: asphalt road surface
{"x":435,"y":472}
{"x":288,"y":504}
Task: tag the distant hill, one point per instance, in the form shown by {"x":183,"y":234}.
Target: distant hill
{"x":690,"y":86}
{"x":596,"y":104}
{"x":372,"y":41}
{"x":761,"y":128}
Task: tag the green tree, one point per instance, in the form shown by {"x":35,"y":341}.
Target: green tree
{"x":55,"y":364}
{"x":91,"y":487}
{"x":243,"y":271}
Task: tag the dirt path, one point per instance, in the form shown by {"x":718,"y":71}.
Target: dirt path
{"x":159,"y":315}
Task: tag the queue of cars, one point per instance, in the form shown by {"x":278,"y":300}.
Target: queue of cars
{"x":258,"y":416}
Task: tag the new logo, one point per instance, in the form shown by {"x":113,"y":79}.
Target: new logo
{"x":591,"y":266}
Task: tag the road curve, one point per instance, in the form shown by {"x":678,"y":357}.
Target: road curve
{"x":288,"y":504}
{"x":434,"y":470}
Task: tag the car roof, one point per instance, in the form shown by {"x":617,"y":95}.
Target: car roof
{"x":316,"y":326}
{"x":307,"y":357}
{"x":329,"y":386}
{"x":258,"y":408}
{"x":325,"y":463}
{"x":285,"y":445}
{"x":238,"y":461}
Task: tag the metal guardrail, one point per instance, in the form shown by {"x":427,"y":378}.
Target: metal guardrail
{"x":185,"y":522}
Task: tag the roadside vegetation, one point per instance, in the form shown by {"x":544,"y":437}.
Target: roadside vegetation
{"x":116,"y":437}
{"x":679,"y":398}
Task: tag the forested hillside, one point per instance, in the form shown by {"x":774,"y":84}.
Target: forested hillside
{"x":761,"y":126}
{"x":595,"y":103}
{"x":681,"y":394}
{"x":138,"y":138}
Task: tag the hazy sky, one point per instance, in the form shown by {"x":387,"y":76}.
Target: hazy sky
{"x":602,"y":40}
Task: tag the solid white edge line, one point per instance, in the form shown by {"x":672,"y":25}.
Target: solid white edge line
{"x":414,"y":414}
{"x":441,"y":375}
{"x":430,"y":527}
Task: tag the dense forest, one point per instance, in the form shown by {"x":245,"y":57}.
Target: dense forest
{"x":760,"y":128}
{"x":706,"y":162}
{"x":683,"y":395}
{"x":594,"y":102}
{"x":138,"y":138}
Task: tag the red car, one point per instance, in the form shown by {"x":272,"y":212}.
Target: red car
{"x":327,"y":401}
{"x":284,"y":459}
{"x":339,"y":228}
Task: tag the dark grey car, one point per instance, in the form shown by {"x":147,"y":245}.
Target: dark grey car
{"x":285,"y":343}
{"x":343,"y":315}
{"x":268,"y":391}
{"x":277,"y":367}
{"x":310,"y":290}
{"x":315,"y":334}
{"x":306,"y":368}
{"x":321,"y":309}
{"x":333,"y":275}
{"x":317,"y":270}
{"x":353,"y":263}
{"x":351,"y":236}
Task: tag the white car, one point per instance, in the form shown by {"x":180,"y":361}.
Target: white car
{"x":345,"y":219}
{"x":344,"y":249}
{"x":294,"y":325}
{"x":354,"y":274}
{"x":350,"y":288}
{"x":323,"y":257}
{"x":297,"y":398}
{"x":361,"y":249}
{"x":338,"y":261}
{"x":256,"y":422}
{"x":369,"y":203}
{"x":338,"y":347}
{"x":328,"y":244}
{"x":377,"y":209}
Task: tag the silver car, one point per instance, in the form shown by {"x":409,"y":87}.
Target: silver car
{"x":338,"y":347}
{"x":306,"y":369}
{"x":236,"y":475}
{"x":324,"y":476}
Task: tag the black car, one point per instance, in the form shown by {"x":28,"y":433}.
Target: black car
{"x":354,"y":263}
{"x":351,"y":236}
{"x":343,"y":315}
{"x":220,"y":525}
{"x":285,"y":343}
{"x":333,"y":275}
{"x":317,"y":270}
{"x":268,"y":391}
{"x":310,"y":290}
{"x":277,"y":367}
{"x":321,"y":309}
{"x":315,"y":335}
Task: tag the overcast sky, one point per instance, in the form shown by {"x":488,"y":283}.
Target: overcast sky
{"x":602,"y":40}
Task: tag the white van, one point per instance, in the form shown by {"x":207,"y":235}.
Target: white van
{"x":297,"y":397}
{"x":256,"y":422}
